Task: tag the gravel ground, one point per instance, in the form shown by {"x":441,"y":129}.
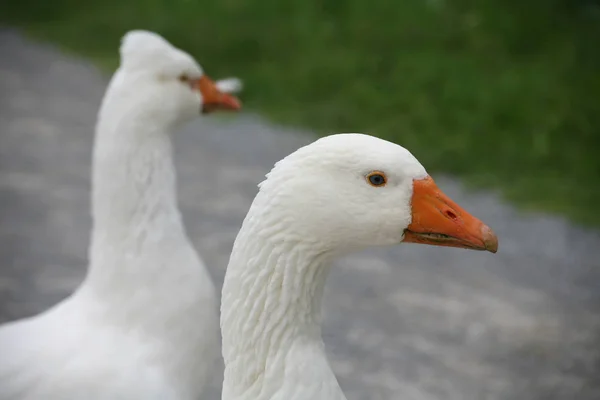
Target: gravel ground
{"x":411,"y":323}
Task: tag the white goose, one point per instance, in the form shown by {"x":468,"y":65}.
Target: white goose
{"x":144,"y":323}
{"x":339,"y":194}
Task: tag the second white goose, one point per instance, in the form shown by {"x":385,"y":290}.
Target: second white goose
{"x":339,"y":194}
{"x":143,"y":325}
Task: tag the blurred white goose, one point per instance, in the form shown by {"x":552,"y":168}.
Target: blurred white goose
{"x":144,"y":323}
{"x":339,"y":194}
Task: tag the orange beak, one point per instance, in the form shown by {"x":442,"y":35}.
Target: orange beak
{"x":214,"y":99}
{"x":438,"y":221}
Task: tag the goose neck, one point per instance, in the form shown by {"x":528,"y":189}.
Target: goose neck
{"x":271,"y":308}
{"x":136,"y":221}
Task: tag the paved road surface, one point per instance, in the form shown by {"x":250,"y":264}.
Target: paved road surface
{"x":409,"y":323}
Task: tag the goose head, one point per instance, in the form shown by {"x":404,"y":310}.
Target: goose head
{"x":166,"y":82}
{"x":349,"y":191}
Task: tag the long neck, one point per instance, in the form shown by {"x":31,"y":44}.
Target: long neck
{"x":136,"y":221}
{"x":271,"y":311}
{"x":144,"y":273}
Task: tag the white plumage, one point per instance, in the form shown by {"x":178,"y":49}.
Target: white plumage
{"x":316,"y":204}
{"x":143,"y":324}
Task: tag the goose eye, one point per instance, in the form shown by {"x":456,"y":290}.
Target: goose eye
{"x":376,"y":178}
{"x":186,"y":80}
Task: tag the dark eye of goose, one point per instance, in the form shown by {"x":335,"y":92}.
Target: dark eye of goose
{"x":187,"y":80}
{"x":376,"y":178}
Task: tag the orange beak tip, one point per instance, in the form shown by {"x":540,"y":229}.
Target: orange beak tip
{"x":490,"y":240}
{"x":217,"y":96}
{"x":234,"y":103}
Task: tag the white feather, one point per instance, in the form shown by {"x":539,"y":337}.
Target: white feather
{"x":143,"y":324}
{"x":230,"y":85}
{"x":314,"y":205}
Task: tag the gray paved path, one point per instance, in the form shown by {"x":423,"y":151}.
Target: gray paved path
{"x":409,"y":323}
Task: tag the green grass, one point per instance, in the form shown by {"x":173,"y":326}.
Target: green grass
{"x":501,"y":92}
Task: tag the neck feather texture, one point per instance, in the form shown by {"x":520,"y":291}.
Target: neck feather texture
{"x":144,"y":276}
{"x":139,"y":243}
{"x":271,"y":312}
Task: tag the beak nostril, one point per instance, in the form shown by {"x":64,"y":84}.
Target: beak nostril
{"x":450,"y":214}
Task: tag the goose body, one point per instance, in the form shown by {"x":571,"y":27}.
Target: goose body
{"x":143,"y":324}
{"x":339,"y":194}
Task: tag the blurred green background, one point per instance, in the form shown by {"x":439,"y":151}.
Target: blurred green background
{"x":503,"y":93}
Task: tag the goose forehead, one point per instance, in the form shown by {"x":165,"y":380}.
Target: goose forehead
{"x":154,"y":51}
{"x":175,"y":59}
{"x":176,"y":66}
{"x":362,"y":152}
